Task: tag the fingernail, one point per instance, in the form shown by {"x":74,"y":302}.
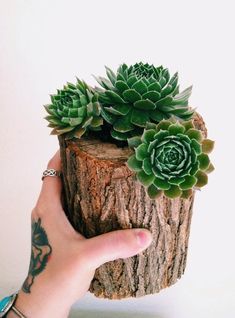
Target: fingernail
{"x":143,"y":237}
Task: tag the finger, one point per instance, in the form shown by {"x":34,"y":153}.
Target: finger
{"x":52,"y":186}
{"x":116,"y":244}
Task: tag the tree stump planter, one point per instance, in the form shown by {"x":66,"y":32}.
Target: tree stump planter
{"x":102,"y":194}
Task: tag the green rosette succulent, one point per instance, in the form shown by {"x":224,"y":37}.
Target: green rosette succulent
{"x":74,"y":110}
{"x":138,"y":94}
{"x":171,"y":157}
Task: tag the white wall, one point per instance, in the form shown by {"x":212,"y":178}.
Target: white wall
{"x":44,"y":44}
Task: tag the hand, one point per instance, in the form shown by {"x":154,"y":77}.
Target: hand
{"x":63,"y":262}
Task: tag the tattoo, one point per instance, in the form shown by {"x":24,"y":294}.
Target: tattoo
{"x":40,"y":254}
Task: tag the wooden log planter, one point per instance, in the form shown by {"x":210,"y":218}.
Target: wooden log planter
{"x":102,"y":194}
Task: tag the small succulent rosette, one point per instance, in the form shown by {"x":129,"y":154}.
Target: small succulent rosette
{"x":74,"y":110}
{"x":171,"y":158}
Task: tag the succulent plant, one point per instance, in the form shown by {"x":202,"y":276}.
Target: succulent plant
{"x":74,"y":110}
{"x":139,"y":94}
{"x":171,"y":157}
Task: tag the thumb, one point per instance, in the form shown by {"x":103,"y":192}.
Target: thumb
{"x":116,"y":244}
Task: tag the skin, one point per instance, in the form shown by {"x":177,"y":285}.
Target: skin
{"x":63,"y":262}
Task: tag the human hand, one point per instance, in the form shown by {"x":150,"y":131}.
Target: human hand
{"x":63,"y":262}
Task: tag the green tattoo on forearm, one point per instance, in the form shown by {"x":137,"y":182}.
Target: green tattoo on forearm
{"x":40,"y":254}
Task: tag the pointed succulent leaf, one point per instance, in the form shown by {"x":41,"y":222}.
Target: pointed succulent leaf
{"x":144,"y":178}
{"x":64,"y":130}
{"x":49,"y":110}
{"x":188,"y":124}
{"x":210,"y":168}
{"x":186,"y":194}
{"x":189,"y":182}
{"x":183,"y":96}
{"x":144,"y":104}
{"x":111,"y":75}
{"x":103,"y":82}
{"x":156,"y":115}
{"x":196,"y":146}
{"x":155,"y":86}
{"x":161,"y":184}
{"x":153,"y":192}
{"x":202,"y":179}
{"x":166,"y":91}
{"x":183,"y":113}
{"x":95,"y":108}
{"x":176,"y":181}
{"x":141,"y":151}
{"x":204,"y":161}
{"x":176,"y":128}
{"x":134,"y":141}
{"x":87,"y":122}
{"x":110,"y":118}
{"x":152,"y":95}
{"x":123,"y":124}
{"x":148,"y":135}
{"x":162,"y":82}
{"x":150,"y":125}
{"x":118,"y":110}
{"x":194,"y":168}
{"x":140,"y":87}
{"x":79,"y":132}
{"x":75,"y":121}
{"x":120,"y":77}
{"x":114,"y":97}
{"x":194,"y":134}
{"x":132,"y":80}
{"x":96,"y":122}
{"x":146,"y":166}
{"x":173,"y":192}
{"x":118,"y":135}
{"x":134,"y":164}
{"x":65,"y":120}
{"x":164,"y":102}
{"x":139,"y":118}
{"x":173,"y":81}
{"x":131,"y":95}
{"x":207,"y":145}
{"x":50,"y":117}
{"x":121,"y":86}
{"x":164,"y":125}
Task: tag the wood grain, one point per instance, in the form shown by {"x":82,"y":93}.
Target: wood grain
{"x":101,"y":194}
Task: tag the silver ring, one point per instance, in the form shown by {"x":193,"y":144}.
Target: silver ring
{"x":51,"y":173}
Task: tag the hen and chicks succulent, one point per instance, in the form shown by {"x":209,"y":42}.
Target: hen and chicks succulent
{"x":142,"y":107}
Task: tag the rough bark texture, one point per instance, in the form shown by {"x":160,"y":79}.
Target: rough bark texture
{"x":101,"y":194}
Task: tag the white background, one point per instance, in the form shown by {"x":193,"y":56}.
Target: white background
{"x":44,"y":44}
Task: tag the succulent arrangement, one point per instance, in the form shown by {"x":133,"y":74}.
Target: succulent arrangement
{"x":139,"y":106}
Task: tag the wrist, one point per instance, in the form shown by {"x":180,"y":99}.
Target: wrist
{"x":11,"y":314}
{"x":39,"y":305}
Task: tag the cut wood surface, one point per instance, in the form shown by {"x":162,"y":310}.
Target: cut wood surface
{"x":102,"y":194}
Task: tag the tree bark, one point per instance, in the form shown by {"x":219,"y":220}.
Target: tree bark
{"x":102,"y":194}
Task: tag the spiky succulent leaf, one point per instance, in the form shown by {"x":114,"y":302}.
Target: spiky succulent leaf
{"x":74,"y":110}
{"x":138,"y":94}
{"x":207,"y":145}
{"x":169,"y":158}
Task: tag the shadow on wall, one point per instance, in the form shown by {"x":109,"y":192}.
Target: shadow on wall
{"x":110,"y":314}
